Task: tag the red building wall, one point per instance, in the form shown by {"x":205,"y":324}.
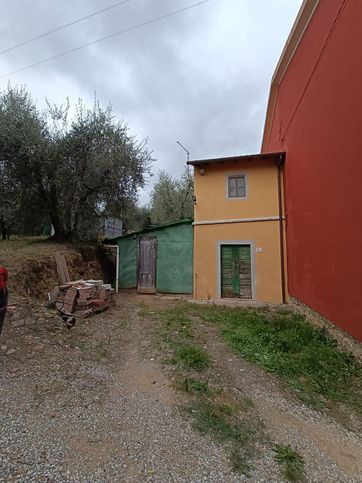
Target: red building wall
{"x":318,"y":122}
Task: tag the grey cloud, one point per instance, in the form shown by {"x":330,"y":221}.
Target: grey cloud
{"x":201,"y":77}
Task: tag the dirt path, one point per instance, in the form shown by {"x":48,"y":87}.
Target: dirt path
{"x":96,"y":404}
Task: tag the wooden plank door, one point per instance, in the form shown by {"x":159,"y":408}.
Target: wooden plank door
{"x":245,"y":272}
{"x":236,"y":271}
{"x":146,"y":278}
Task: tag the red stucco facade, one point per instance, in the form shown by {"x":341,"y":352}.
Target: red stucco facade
{"x":318,"y":122}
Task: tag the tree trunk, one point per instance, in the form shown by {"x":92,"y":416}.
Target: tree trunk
{"x":60,"y":233}
{"x":4,"y":231}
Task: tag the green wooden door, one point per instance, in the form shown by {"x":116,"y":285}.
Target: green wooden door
{"x":236,"y":271}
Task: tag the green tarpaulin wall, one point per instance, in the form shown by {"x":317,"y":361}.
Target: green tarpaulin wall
{"x":174,"y":257}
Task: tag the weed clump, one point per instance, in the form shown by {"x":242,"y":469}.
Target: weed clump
{"x":191,"y":385}
{"x":291,"y":462}
{"x":225,"y":425}
{"x":193,"y":357}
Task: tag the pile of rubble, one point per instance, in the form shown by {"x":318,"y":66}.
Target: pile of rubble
{"x":80,"y":298}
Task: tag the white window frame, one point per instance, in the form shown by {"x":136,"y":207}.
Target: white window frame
{"x":235,"y":175}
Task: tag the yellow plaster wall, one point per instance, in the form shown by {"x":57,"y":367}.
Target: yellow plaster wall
{"x":212,"y":204}
{"x":211,"y":194}
{"x":267,"y":262}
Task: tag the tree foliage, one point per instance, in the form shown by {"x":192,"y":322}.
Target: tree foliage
{"x":22,"y":145}
{"x":73,"y":171}
{"x":137,"y":218}
{"x":171,"y":198}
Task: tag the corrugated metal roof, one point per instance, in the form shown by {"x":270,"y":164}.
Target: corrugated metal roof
{"x":243,"y":157}
{"x":151,"y":228}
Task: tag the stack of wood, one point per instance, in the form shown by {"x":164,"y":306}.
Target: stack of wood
{"x":81,"y":297}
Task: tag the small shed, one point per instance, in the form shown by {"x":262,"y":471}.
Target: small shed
{"x":157,"y":259}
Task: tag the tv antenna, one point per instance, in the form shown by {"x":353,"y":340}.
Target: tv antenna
{"x":187,"y":155}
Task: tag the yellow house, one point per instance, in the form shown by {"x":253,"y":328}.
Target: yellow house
{"x":239,"y":228}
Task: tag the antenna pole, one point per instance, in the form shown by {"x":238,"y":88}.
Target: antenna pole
{"x":187,"y":155}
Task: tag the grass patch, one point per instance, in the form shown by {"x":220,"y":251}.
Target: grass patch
{"x":308,"y":359}
{"x":192,"y":386}
{"x":94,"y":349}
{"x":146,"y":311}
{"x":215,"y":419}
{"x":176,"y":323}
{"x":82,"y":345}
{"x":193,"y":357}
{"x":290,"y":461}
{"x":176,"y":332}
{"x":224,"y":425}
{"x":239,"y":462}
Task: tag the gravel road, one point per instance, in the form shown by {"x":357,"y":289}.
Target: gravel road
{"x":96,"y":404}
{"x":66,"y":418}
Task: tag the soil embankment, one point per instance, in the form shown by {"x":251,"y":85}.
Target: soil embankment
{"x":32,"y":267}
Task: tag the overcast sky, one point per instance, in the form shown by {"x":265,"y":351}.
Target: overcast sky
{"x":201,"y":76}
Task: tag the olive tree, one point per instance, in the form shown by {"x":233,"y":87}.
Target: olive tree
{"x":22,"y":147}
{"x":171,"y":198}
{"x":137,"y":218}
{"x":76,"y":169}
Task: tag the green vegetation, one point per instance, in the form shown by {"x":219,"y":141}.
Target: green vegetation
{"x":227,"y":424}
{"x":193,"y":357}
{"x":219,"y":420}
{"x":176,"y":325}
{"x":176,"y":332}
{"x":84,"y":155}
{"x":239,"y":462}
{"x":171,"y":198}
{"x":307,"y":359}
{"x":281,"y":342}
{"x":194,"y":385}
{"x":91,"y":348}
{"x":191,"y":385}
{"x":215,"y":419}
{"x":291,"y":462}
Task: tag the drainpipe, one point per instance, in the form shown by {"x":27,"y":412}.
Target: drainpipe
{"x":117,"y":268}
{"x":117,"y":263}
{"x":281,"y":228}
